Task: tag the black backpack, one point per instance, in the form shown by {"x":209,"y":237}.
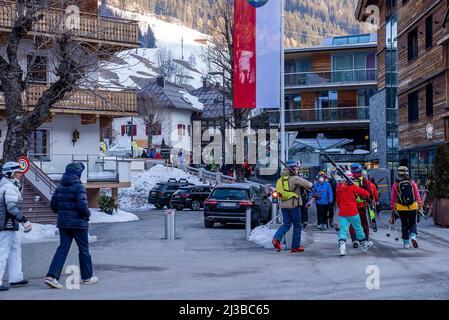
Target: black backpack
{"x":406,"y":195}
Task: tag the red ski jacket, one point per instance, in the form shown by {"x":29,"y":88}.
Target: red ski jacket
{"x":346,"y":199}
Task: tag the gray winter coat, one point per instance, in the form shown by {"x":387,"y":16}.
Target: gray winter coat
{"x":10,"y":206}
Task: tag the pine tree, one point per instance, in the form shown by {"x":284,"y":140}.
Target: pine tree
{"x":442,"y":173}
{"x":151,"y":38}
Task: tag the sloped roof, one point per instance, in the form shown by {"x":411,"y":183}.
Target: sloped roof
{"x":212,"y":98}
{"x":171,"y":96}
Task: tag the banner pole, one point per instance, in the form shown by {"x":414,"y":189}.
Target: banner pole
{"x":282,"y":106}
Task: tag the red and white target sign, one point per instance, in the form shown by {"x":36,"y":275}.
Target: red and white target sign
{"x":24,"y":164}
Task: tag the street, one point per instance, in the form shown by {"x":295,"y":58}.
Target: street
{"x":133,"y":262}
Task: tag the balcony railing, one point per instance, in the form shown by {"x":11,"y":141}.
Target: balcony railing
{"x":343,"y":77}
{"x":112,"y":102}
{"x":92,"y":27}
{"x":304,"y":116}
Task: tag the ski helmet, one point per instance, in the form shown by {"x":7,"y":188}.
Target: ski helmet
{"x":403,"y":171}
{"x":292,"y":164}
{"x":356,"y":168}
{"x":9,"y":168}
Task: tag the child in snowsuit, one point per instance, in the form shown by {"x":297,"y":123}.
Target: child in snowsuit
{"x":349,"y":215}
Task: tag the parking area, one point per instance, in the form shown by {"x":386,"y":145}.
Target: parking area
{"x":134,"y":262}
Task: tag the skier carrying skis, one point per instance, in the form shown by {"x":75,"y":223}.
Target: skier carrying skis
{"x":405,"y":199}
{"x":289,"y":188}
{"x":347,"y":196}
{"x":360,"y":181}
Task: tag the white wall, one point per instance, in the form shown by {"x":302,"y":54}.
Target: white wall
{"x":61,"y":146}
{"x":169,"y":129}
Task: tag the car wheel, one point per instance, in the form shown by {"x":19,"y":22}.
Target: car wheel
{"x":195,"y":206}
{"x":256,"y":220}
{"x":208,"y":224}
{"x":158,"y":206}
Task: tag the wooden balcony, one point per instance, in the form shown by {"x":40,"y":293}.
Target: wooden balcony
{"x":113,"y":103}
{"x":118,"y":34}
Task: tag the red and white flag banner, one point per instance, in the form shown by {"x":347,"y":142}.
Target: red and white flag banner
{"x":257,"y":53}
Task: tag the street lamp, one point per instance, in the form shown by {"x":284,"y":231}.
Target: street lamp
{"x":223,"y":120}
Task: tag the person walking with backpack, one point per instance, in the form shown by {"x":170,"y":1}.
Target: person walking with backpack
{"x":406,"y":201}
{"x":10,"y":217}
{"x":324,"y":198}
{"x":289,"y":187}
{"x":70,"y":203}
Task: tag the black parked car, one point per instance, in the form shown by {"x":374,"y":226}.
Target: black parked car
{"x":192,"y":197}
{"x":160,"y":196}
{"x":228,"y":204}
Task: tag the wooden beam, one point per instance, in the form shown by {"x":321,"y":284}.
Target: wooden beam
{"x":88,"y":119}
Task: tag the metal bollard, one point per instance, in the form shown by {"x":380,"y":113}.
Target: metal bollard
{"x":170,"y":229}
{"x":248,"y":223}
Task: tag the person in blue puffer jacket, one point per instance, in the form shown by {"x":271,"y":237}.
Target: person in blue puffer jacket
{"x":70,"y":203}
{"x":322,"y":191}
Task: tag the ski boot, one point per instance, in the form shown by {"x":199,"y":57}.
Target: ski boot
{"x":342,"y":248}
{"x":407,"y":244}
{"x":364,"y":245}
{"x":2,"y":288}
{"x":414,"y":241}
{"x":277,"y":245}
{"x":355,"y":244}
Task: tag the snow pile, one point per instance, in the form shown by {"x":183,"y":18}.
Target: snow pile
{"x":263,"y":236}
{"x":118,"y":216}
{"x":193,"y":100}
{"x":39,"y":232}
{"x":136,"y":197}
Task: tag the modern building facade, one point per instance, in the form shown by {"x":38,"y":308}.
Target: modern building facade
{"x":328,"y":90}
{"x":418,"y":33}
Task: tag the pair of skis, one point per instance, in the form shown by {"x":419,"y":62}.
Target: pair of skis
{"x":350,"y":181}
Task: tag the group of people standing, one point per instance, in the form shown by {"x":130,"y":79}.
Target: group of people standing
{"x":69,"y":202}
{"x":353,"y":198}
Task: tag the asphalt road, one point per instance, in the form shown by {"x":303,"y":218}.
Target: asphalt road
{"x":133,"y":262}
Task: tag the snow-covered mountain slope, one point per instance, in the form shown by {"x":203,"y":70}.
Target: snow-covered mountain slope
{"x":133,"y":68}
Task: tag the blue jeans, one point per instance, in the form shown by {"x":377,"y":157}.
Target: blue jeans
{"x":82,"y":240}
{"x":356,"y":223}
{"x":290,"y":217}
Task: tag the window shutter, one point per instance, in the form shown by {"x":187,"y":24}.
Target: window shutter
{"x":123,"y":130}
{"x":134,"y":131}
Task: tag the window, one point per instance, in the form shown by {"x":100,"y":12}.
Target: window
{"x":156,"y":129}
{"x":181,"y":130}
{"x":189,"y":130}
{"x":413,"y":106}
{"x":413,"y":44}
{"x":39,"y":148}
{"x":129,"y":130}
{"x":429,"y":100}
{"x":37,"y":69}
{"x":429,"y":32}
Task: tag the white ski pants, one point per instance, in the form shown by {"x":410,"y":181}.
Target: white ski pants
{"x":11,"y":255}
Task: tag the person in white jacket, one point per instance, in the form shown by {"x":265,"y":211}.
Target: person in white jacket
{"x":10,"y":217}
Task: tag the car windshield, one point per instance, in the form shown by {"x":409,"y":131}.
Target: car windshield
{"x":229,"y":194}
{"x":158,"y":187}
{"x":185,"y":190}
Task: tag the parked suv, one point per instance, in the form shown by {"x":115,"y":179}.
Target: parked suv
{"x":228,"y":204}
{"x":192,"y":197}
{"x":161,"y":195}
